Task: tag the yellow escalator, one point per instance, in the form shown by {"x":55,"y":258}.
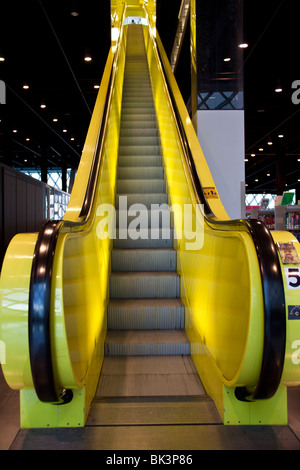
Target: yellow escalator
{"x":58,"y":286}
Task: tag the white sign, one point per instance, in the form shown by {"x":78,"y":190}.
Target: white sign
{"x":292,"y":277}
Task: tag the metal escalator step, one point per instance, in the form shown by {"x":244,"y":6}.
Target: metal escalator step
{"x":132,"y":124}
{"x":137,"y":103}
{"x":175,"y":400}
{"x":124,"y":239}
{"x":142,"y":218}
{"x":137,"y":140}
{"x":146,"y":343}
{"x":139,"y":150}
{"x":145,"y":314}
{"x":132,"y":95}
{"x":147,"y":199}
{"x":150,"y":377}
{"x":141,"y":172}
{"x":138,"y":186}
{"x":163,"y":259}
{"x":141,"y":117}
{"x":144,"y":285}
{"x":139,"y":161}
{"x":137,"y":131}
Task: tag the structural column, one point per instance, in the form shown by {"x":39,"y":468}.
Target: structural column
{"x":217,"y":95}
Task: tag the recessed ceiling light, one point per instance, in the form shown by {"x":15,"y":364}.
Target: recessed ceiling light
{"x":87,"y":58}
{"x":74,"y":13}
{"x":280,"y":136}
{"x":270,"y":143}
{"x":2,"y":59}
{"x":246,"y":160}
{"x":15,"y":131}
{"x":261,"y":149}
{"x":278,"y":90}
{"x":43,"y":105}
{"x":25,"y":87}
{"x":252,"y":154}
{"x":268,"y":174}
{"x":227,"y":59}
{"x":243,"y":45}
{"x":55,"y":119}
{"x":96,"y":86}
{"x":27,"y":139}
{"x":65,"y":130}
{"x":72,"y":138}
{"x":256,"y":181}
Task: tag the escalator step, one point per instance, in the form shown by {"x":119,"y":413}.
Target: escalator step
{"x":144,"y":285}
{"x":149,"y":240}
{"x":149,"y":314}
{"x":140,"y":161}
{"x":147,"y":199}
{"x":139,"y":186}
{"x":143,"y":260}
{"x":146,"y":343}
{"x":141,"y":173}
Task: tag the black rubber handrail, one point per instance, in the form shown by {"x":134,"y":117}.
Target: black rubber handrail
{"x":39,"y":321}
{"x":270,"y":270}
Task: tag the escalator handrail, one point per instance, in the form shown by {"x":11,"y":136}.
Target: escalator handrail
{"x":39,"y":321}
{"x":270,"y":269}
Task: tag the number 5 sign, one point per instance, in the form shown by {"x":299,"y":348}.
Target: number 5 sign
{"x":292,"y":277}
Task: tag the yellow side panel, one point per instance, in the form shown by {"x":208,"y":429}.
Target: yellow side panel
{"x":291,"y":281}
{"x":14,"y":295}
{"x":220,"y":277}
{"x":80,"y":288}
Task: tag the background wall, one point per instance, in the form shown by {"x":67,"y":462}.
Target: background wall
{"x":221,"y":135}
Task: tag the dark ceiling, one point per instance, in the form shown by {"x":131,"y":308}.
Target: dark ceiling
{"x":44,"y":47}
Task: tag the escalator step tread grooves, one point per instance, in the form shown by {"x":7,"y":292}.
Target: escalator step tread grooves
{"x":145,"y":312}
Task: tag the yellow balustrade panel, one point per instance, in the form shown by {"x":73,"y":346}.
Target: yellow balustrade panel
{"x":80,"y":289}
{"x":220,"y":277}
{"x":291,"y":281}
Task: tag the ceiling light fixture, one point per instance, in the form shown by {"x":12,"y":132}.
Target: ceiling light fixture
{"x":227,"y":59}
{"x":65,"y":130}
{"x":25,"y":87}
{"x":55,"y":119}
{"x":88,"y":58}
{"x":243,"y":45}
{"x":278,"y":86}
{"x":252,"y":154}
{"x":261,"y":149}
{"x":280,"y":136}
{"x":270,"y":143}
{"x":2,"y":59}
{"x":43,"y":105}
